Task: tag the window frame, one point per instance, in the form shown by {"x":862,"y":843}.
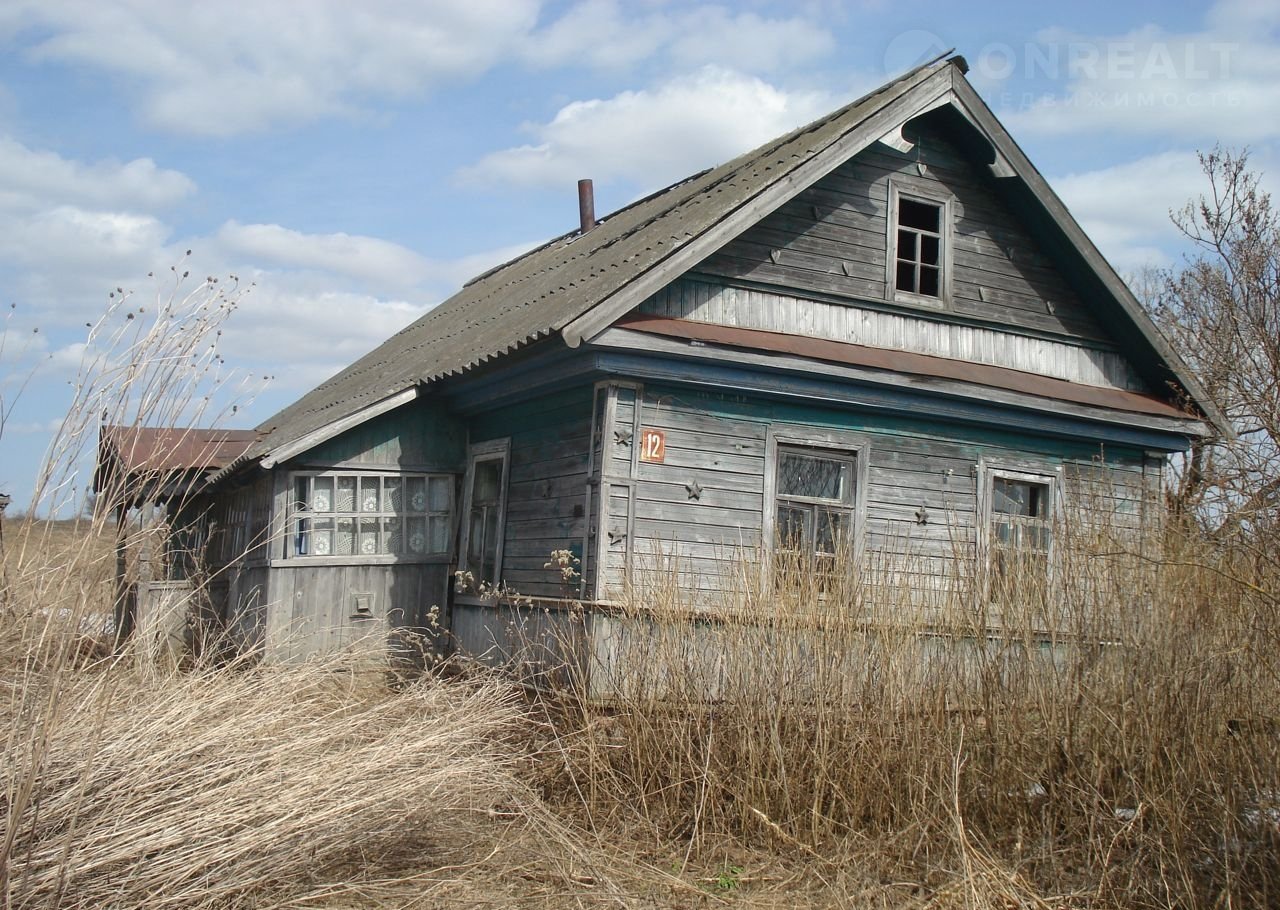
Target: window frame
{"x":294,"y":515}
{"x":838,"y":444}
{"x":1050,"y":478}
{"x":899,"y":189}
{"x":491,"y":450}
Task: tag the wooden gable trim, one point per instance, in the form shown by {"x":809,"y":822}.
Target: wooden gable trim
{"x":931,"y":92}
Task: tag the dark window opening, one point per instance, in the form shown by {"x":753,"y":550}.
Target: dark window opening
{"x":484,"y":531}
{"x":918,"y":248}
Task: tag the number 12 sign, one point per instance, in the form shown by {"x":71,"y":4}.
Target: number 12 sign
{"x":653,"y":445}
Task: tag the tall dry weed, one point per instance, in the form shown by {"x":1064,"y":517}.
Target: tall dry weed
{"x":204,"y":789}
{"x":1112,"y":738}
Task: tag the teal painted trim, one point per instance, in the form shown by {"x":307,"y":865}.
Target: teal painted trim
{"x":968,"y":441}
{"x":549,"y":369}
{"x":867,"y":406}
{"x":541,"y":415}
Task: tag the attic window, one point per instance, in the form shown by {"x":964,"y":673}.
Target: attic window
{"x":918,"y":249}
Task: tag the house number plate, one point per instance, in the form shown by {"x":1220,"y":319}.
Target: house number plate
{"x":653,"y":445}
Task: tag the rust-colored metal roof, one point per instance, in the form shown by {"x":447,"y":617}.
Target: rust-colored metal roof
{"x":158,"y":450}
{"x":902,"y":362}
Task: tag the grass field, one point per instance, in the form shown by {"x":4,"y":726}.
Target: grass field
{"x":1140,"y":768}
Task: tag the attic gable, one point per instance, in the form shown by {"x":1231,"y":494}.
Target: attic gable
{"x":832,"y":239}
{"x":817,"y":266}
{"x":1094,"y":297}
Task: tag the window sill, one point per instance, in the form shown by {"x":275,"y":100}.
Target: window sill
{"x":297,"y":562}
{"x":920,"y":301}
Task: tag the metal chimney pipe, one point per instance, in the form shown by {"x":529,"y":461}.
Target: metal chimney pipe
{"x":586,"y":205}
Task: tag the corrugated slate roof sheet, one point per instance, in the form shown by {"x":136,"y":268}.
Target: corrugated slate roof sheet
{"x":539,"y":293}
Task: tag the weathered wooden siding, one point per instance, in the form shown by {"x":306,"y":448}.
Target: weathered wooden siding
{"x":919,"y":503}
{"x":421,"y":436}
{"x":713,"y":301}
{"x":546,"y":491}
{"x":831,"y":241}
{"x":245,"y":605}
{"x":314,"y":608}
{"x":307,"y":606}
{"x":522,"y":638}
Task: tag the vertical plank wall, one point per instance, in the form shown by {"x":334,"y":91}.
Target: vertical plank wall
{"x":315,"y":605}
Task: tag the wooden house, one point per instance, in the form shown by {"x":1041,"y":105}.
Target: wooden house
{"x":883,"y":326}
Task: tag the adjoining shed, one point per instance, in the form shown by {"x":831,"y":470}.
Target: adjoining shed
{"x":151,"y":473}
{"x":882,"y":330}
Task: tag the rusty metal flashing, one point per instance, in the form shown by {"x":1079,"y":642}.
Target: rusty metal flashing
{"x":903,"y":362}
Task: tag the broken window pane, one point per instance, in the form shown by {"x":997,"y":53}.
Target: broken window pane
{"x":812,"y":476}
{"x":921,"y":215}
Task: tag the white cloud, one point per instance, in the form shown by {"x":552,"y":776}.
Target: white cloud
{"x":241,"y":65}
{"x":653,"y":136}
{"x":1217,"y":84}
{"x":66,"y":258}
{"x":30,"y":177}
{"x":711,"y":35}
{"x":302,"y":334}
{"x":76,"y":228}
{"x":1126,"y":209}
{"x":218,"y":69}
{"x":597,"y":33}
{"x":607,"y":35}
{"x":368,"y":258}
{"x":33,"y":427}
{"x":71,"y":232}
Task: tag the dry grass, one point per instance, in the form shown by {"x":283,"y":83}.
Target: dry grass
{"x":129,"y":785}
{"x":192,"y":790}
{"x":1126,"y":754}
{"x":868,"y":757}
{"x":863,"y":754}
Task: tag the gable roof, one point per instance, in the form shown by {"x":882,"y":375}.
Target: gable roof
{"x":579,"y":283}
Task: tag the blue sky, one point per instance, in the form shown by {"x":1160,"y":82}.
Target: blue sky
{"x":359,"y":161}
